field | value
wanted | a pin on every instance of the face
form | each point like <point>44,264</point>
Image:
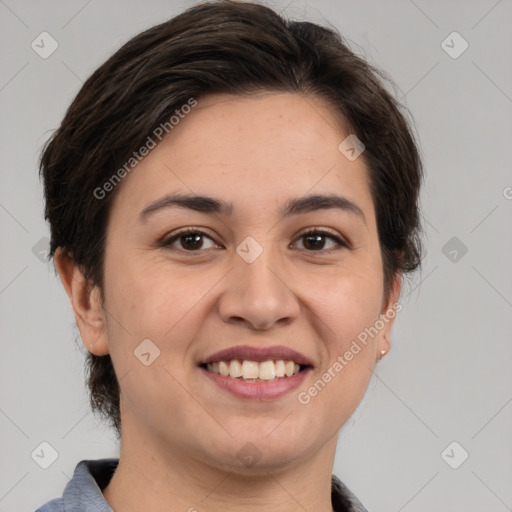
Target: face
<point>267,271</point>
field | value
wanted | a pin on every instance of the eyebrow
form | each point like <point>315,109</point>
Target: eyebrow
<point>205,204</point>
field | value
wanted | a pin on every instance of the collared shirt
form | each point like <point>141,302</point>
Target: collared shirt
<point>83,492</point>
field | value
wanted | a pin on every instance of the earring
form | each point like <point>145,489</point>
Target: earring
<point>382,354</point>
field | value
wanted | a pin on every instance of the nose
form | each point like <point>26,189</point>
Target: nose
<point>258,295</point>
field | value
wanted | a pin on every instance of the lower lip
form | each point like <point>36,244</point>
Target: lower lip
<point>269,390</point>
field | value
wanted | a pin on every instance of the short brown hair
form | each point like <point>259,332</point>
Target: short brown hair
<point>219,47</point>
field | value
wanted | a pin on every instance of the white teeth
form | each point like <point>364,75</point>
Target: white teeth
<point>266,370</point>
<point>223,368</point>
<point>250,370</point>
<point>235,369</point>
<point>280,368</point>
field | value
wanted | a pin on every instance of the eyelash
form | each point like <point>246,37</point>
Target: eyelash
<point>313,231</point>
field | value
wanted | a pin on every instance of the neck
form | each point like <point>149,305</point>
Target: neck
<point>155,477</point>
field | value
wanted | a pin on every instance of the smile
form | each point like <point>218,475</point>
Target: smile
<point>252,371</point>
<point>258,373</point>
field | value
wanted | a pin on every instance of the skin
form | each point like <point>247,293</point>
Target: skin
<point>180,433</point>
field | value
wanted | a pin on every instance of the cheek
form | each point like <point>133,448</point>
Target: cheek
<point>345,308</point>
<point>147,303</point>
<point>341,382</point>
<point>151,299</point>
<point>346,300</point>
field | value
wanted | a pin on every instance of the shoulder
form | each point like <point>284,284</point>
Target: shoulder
<point>343,500</point>
<point>56,505</point>
<point>83,491</point>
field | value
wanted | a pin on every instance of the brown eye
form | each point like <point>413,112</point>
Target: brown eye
<point>189,241</point>
<point>320,241</point>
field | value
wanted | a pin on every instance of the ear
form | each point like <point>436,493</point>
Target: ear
<point>86,303</point>
<point>389,311</point>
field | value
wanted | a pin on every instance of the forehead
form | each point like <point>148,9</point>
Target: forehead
<point>262,129</point>
<point>252,151</point>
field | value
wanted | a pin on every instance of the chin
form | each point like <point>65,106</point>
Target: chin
<point>253,450</point>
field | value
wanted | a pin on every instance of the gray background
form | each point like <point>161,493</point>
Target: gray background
<point>448,375</point>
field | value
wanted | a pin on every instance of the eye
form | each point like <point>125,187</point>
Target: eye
<point>193,240</point>
<point>189,240</point>
<point>315,240</point>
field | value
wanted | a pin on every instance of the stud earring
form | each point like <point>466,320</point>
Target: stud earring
<point>382,354</point>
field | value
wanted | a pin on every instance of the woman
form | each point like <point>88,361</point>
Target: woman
<point>233,203</point>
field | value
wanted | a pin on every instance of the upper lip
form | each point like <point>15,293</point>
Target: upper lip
<point>258,354</point>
